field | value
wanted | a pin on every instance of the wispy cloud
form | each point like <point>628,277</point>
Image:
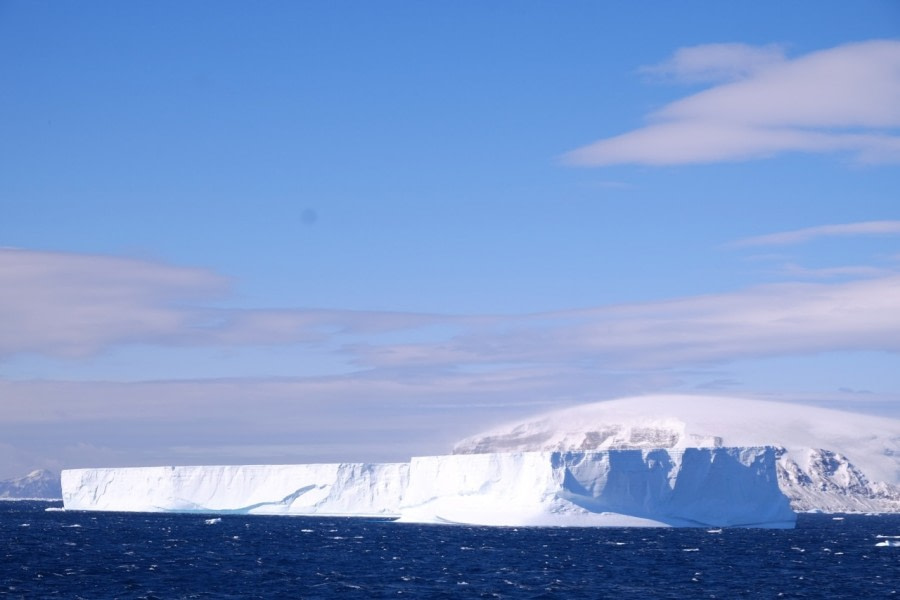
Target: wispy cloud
<point>773,320</point>
<point>799,236</point>
<point>716,62</point>
<point>843,99</point>
<point>718,384</point>
<point>850,271</point>
<point>75,305</point>
<point>72,304</point>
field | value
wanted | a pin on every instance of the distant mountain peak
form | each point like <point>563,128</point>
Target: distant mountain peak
<point>38,484</point>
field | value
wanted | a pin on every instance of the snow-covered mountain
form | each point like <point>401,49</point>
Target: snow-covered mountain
<point>828,460</point>
<point>40,484</point>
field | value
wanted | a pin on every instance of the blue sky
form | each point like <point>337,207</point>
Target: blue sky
<point>358,231</point>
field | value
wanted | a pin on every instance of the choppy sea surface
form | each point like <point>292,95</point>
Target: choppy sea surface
<point>58,554</point>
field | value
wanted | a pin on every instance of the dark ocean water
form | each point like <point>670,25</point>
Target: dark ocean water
<point>55,554</point>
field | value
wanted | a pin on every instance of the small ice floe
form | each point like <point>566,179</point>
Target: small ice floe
<point>212,521</point>
<point>837,518</point>
<point>690,549</point>
<point>73,525</point>
<point>54,509</point>
<point>889,543</point>
<point>306,531</point>
<point>887,537</point>
<point>714,530</point>
<point>798,548</point>
<point>25,525</point>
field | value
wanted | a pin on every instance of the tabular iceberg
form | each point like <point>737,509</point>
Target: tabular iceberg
<point>634,487</point>
<point>663,460</point>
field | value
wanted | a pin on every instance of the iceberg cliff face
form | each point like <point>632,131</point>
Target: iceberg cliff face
<point>685,487</point>
<point>690,487</point>
<point>328,489</point>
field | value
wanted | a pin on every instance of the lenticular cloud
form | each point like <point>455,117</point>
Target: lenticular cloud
<point>843,99</point>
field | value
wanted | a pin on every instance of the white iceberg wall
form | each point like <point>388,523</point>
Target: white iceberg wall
<point>691,487</point>
<point>484,489</point>
<point>729,487</point>
<point>335,489</point>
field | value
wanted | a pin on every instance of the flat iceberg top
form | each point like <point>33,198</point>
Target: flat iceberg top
<point>673,421</point>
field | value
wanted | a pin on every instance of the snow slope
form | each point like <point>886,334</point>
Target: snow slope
<point>829,460</point>
<point>690,487</point>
